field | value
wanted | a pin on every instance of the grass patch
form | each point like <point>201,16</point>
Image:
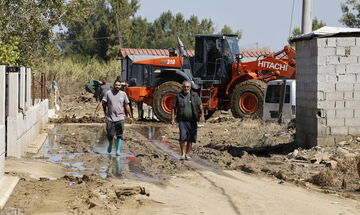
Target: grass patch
<point>71,74</point>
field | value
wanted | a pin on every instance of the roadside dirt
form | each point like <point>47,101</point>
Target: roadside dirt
<point>237,167</point>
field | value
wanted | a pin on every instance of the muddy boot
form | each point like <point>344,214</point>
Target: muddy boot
<point>110,145</point>
<point>118,146</point>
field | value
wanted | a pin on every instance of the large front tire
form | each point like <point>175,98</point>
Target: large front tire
<point>247,99</point>
<point>164,98</point>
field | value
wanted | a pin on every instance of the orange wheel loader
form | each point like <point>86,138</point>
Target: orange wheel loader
<point>215,72</point>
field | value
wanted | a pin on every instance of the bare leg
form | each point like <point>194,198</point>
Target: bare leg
<point>188,148</point>
<point>182,148</point>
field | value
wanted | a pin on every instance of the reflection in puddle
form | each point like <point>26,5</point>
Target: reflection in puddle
<point>152,131</point>
<point>127,166</point>
<point>118,166</point>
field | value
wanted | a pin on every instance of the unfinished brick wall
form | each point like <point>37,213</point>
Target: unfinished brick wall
<point>328,90</point>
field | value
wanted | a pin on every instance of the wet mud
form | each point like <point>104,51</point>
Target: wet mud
<point>259,148</point>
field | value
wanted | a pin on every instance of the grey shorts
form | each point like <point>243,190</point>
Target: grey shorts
<point>115,128</point>
<point>188,131</point>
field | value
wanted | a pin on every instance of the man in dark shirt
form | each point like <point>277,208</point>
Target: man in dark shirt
<point>186,110</point>
<point>104,87</point>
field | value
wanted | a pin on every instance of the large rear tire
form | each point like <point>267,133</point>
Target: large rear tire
<point>247,99</point>
<point>164,98</point>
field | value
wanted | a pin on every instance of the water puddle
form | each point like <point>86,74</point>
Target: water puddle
<point>12,211</point>
<point>124,166</point>
<point>93,157</point>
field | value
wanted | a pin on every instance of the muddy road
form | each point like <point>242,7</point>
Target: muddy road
<point>73,174</point>
<point>237,167</point>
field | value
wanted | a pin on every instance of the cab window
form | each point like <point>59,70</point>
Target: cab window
<point>273,94</point>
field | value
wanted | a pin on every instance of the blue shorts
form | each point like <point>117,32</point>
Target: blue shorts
<point>188,131</point>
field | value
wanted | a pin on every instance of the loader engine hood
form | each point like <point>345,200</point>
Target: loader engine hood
<point>172,62</point>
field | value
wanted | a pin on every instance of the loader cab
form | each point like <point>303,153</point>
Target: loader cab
<point>214,55</point>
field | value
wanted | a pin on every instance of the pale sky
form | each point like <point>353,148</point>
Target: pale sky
<point>265,22</point>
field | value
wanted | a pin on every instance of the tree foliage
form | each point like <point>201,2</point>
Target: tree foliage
<point>29,23</point>
<point>136,32</point>
<point>9,52</point>
<point>163,32</point>
<point>227,30</point>
<point>351,13</point>
<point>100,29</point>
<point>86,29</point>
<point>316,24</point>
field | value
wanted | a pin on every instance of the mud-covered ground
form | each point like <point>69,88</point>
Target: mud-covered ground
<point>92,181</point>
<point>267,148</point>
<point>256,148</point>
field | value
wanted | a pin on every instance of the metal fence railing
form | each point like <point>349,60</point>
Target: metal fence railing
<point>38,88</point>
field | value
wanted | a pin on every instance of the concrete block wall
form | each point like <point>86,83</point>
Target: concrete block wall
<point>330,69</point>
<point>306,93</point>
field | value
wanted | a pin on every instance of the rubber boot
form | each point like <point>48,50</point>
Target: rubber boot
<point>110,144</point>
<point>118,146</point>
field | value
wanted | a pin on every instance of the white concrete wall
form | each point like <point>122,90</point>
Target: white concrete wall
<point>23,129</point>
<point>23,126</point>
<point>22,88</point>
<point>28,92</point>
<point>2,150</point>
<point>2,120</point>
<point>29,126</point>
<point>13,111</point>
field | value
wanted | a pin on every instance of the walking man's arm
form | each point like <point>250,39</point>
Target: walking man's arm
<point>173,111</point>
<point>202,116</point>
<point>97,108</point>
<point>127,108</point>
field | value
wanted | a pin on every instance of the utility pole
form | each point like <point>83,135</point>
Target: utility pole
<point>306,25</point>
<point>120,43</point>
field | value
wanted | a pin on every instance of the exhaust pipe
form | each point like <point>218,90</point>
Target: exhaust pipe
<point>181,47</point>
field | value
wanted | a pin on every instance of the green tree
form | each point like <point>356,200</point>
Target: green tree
<point>227,30</point>
<point>100,29</point>
<point>9,52</point>
<point>81,31</point>
<point>122,12</point>
<point>351,13</point>
<point>139,29</point>
<point>316,24</point>
<point>164,31</point>
<point>30,23</point>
